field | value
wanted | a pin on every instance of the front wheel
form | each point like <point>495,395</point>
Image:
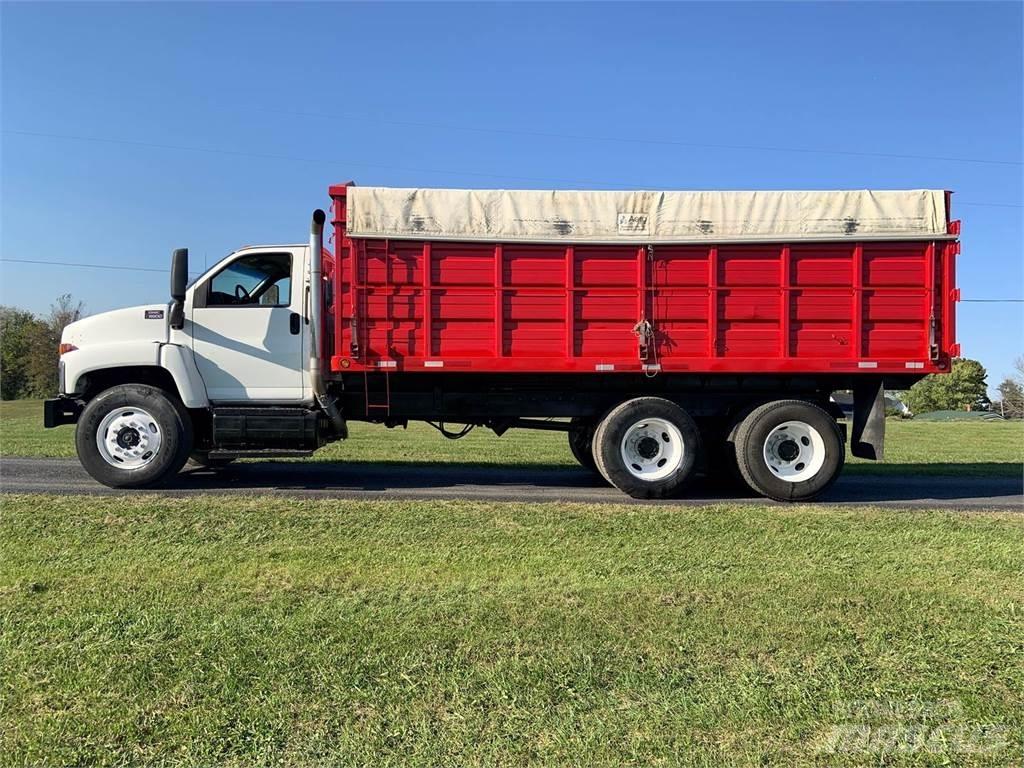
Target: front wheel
<point>132,436</point>
<point>789,450</point>
<point>647,447</point>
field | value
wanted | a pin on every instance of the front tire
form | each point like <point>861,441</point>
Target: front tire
<point>133,436</point>
<point>647,447</point>
<point>789,450</point>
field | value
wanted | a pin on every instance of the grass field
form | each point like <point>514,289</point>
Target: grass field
<point>977,448</point>
<point>264,631</point>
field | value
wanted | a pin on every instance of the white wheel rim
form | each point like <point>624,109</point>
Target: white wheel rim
<point>794,451</point>
<point>652,449</point>
<point>129,438</point>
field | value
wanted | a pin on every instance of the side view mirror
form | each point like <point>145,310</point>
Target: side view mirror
<point>179,282</point>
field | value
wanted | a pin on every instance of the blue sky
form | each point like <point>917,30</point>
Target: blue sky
<point>289,98</point>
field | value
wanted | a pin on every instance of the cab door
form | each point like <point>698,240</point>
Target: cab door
<point>248,329</point>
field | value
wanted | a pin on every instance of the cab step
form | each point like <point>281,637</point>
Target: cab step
<point>259,453</point>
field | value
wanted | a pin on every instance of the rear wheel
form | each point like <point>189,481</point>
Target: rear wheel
<point>789,450</point>
<point>581,443</point>
<point>647,447</point>
<point>132,436</point>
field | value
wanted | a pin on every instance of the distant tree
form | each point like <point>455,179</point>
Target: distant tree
<point>1011,393</point>
<point>28,348</point>
<point>962,389</point>
<point>1011,399</point>
<point>43,355</point>
<point>923,397</point>
<point>17,329</point>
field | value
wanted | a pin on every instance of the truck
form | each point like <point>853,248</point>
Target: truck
<point>667,334</point>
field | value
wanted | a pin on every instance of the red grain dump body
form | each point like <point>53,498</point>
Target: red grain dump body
<point>452,280</point>
<point>665,332</point>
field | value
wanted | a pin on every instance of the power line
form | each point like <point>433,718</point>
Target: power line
<point>991,205</point>
<point>988,205</point>
<point>270,156</point>
<point>636,140</point>
<point>994,301</point>
<point>85,266</point>
<point>340,161</point>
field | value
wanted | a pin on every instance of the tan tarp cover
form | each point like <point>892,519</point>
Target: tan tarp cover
<point>643,217</point>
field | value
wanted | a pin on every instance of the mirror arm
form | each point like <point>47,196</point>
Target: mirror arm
<point>177,316</point>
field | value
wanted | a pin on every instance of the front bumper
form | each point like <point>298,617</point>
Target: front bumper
<point>61,410</point>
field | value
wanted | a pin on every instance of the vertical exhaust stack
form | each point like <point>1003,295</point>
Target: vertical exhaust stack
<point>316,266</point>
<point>316,300</point>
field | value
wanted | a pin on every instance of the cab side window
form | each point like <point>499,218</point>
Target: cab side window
<point>259,279</point>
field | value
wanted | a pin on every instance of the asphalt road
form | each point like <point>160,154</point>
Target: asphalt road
<point>498,483</point>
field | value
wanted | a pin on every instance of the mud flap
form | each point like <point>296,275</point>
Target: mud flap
<point>868,438</point>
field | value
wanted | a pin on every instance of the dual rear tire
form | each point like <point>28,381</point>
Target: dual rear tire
<point>788,450</point>
<point>581,442</point>
<point>648,447</point>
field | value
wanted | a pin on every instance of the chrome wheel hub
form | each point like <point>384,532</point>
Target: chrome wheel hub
<point>652,449</point>
<point>128,438</point>
<point>794,451</point>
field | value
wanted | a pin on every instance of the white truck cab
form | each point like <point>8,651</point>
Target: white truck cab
<point>244,339</point>
<point>150,386</point>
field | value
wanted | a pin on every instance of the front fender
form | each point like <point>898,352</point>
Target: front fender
<point>181,364</point>
<point>97,357</point>
<point>176,360</point>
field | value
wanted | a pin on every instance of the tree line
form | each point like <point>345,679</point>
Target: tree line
<point>28,348</point>
<point>965,388</point>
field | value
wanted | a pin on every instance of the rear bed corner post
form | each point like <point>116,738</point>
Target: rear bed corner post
<point>868,438</point>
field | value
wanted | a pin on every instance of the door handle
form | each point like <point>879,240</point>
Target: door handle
<point>295,323</point>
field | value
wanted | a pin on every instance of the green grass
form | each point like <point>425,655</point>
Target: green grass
<point>963,448</point>
<point>150,630</point>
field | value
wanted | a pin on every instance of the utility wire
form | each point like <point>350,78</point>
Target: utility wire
<point>635,140</point>
<point>88,266</point>
<point>270,156</point>
<point>340,161</point>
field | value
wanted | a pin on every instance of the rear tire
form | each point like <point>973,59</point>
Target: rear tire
<point>647,447</point>
<point>581,443</point>
<point>133,436</point>
<point>789,450</point>
<point>721,468</point>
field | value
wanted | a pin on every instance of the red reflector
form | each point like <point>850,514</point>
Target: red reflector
<point>63,348</point>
